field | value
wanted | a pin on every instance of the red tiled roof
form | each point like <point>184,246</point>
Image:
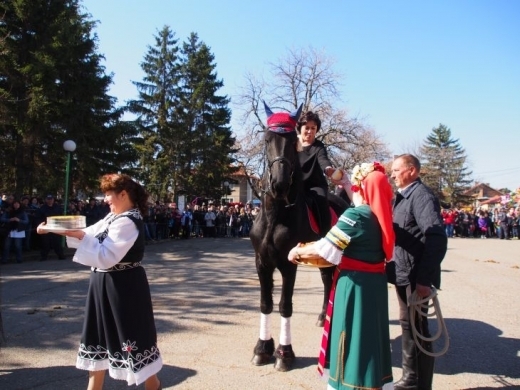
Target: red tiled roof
<point>494,199</point>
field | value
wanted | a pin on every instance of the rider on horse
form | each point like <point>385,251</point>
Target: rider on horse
<point>316,167</point>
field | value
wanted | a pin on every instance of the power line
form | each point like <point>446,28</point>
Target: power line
<point>512,170</point>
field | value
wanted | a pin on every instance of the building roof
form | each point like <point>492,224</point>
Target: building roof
<point>493,200</point>
<point>482,191</point>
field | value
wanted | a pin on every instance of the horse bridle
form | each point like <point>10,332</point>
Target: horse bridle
<point>269,176</point>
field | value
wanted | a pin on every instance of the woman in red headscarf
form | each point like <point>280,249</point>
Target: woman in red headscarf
<point>356,343</point>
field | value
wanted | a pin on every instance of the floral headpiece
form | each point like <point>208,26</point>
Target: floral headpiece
<point>361,171</point>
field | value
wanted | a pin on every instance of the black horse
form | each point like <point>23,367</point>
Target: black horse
<point>281,223</point>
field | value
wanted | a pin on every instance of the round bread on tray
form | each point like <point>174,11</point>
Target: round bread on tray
<point>66,222</point>
<point>313,260</point>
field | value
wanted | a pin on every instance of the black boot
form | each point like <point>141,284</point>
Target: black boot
<point>425,362</point>
<point>409,379</point>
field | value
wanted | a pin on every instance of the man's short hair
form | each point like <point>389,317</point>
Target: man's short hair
<point>410,160</point>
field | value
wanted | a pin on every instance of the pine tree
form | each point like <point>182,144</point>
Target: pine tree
<point>208,151</point>
<point>445,170</point>
<point>185,125</point>
<point>53,88</point>
<point>157,111</point>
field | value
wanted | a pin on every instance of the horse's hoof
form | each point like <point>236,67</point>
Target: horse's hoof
<point>284,358</point>
<point>261,359</point>
<point>263,352</point>
<point>321,320</point>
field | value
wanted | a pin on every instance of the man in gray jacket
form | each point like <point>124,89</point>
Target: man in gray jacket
<point>420,246</point>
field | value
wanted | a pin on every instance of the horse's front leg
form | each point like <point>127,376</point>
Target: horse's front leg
<point>264,347</point>
<point>327,275</point>
<point>284,353</point>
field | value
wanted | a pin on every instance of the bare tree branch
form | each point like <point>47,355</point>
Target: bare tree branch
<point>304,76</point>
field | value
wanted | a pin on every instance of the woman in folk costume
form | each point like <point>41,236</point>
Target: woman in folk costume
<point>356,340</point>
<point>119,332</point>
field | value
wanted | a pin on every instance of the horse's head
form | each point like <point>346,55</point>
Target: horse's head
<point>280,151</point>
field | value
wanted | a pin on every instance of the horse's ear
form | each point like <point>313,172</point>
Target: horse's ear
<point>268,111</point>
<point>296,115</point>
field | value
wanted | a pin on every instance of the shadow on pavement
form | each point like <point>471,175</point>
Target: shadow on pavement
<point>71,378</point>
<point>43,302</point>
<point>475,347</point>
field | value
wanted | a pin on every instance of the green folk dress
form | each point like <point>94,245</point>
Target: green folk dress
<point>359,355</point>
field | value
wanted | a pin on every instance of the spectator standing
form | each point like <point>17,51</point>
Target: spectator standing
<point>91,212</point>
<point>160,220</point>
<point>249,220</point>
<point>475,232</point>
<point>496,226</point>
<point>464,221</point>
<point>420,246</point>
<point>489,223</point>
<point>503,224</point>
<point>511,219</point>
<point>17,221</point>
<point>199,223</point>
<point>81,207</point>
<point>170,220</point>
<point>209,219</point>
<point>221,222</point>
<point>482,224</point>
<point>449,222</point>
<point>25,202</point>
<point>231,222</point>
<point>50,241</point>
<point>186,222</point>
<point>151,224</point>
<point>73,209</point>
<point>516,224</point>
<point>7,202</point>
<point>177,223</point>
<point>104,209</point>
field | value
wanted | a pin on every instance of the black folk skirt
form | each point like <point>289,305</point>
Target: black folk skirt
<point>119,332</point>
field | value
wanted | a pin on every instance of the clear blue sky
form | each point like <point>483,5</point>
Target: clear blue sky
<point>406,65</point>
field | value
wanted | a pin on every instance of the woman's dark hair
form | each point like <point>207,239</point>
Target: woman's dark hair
<point>12,211</point>
<point>119,182</point>
<point>307,117</point>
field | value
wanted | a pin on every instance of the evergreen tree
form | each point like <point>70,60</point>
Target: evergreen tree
<point>157,114</point>
<point>445,169</point>
<point>185,125</point>
<point>207,160</point>
<point>53,88</point>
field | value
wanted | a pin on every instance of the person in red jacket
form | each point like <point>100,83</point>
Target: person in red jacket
<point>449,218</point>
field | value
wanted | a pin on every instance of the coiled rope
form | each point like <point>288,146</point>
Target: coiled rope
<point>420,307</point>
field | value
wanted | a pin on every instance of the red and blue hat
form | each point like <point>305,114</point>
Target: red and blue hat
<point>282,122</point>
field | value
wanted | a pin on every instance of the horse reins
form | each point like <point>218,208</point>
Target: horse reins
<point>418,308</point>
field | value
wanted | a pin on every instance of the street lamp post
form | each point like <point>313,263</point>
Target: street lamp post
<point>69,146</point>
<point>226,190</point>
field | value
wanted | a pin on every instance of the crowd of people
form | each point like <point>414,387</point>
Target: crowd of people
<point>499,222</point>
<point>20,217</point>
<point>198,221</point>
